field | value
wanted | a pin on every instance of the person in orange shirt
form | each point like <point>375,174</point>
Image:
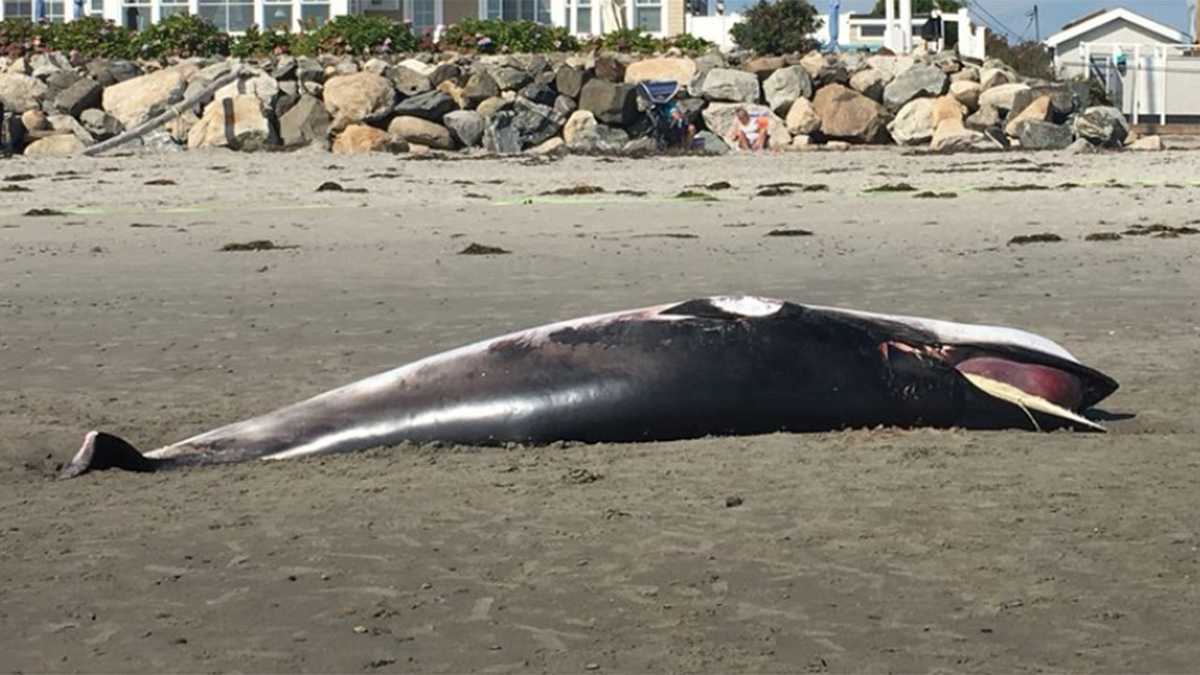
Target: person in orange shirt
<point>749,132</point>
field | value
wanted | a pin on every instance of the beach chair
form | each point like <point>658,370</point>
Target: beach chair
<point>657,98</point>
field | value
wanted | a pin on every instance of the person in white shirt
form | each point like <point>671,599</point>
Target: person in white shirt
<point>749,132</point>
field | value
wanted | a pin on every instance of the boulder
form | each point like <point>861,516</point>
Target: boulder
<point>376,65</point>
<point>1147,144</point>
<point>610,67</point>
<point>508,77</point>
<point>451,89</point>
<point>719,119</point>
<point>12,132</point>
<point>309,69</point>
<point>136,100</point>
<point>237,123</point>
<point>1001,96</point>
<point>479,88</point>
<point>802,118</point>
<point>19,93</point>
<point>913,125</point>
<point>951,136</point>
<point>58,145</point>
<point>421,132</point>
<point>100,124</point>
<point>889,66</point>
<point>987,117</point>
<point>432,106</point>
<point>108,73</point>
<point>418,66</point>
<point>551,146</point>
<point>358,97</point>
<point>727,84</point>
<point>538,93</point>
<point>180,126</point>
<point>408,81</point>
<point>492,106</point>
<point>44,64</point>
<point>500,136</point>
<point>262,86</point>
<point>285,68</point>
<point>1063,100</point>
<point>1082,146</point>
<point>612,103</point>
<point>848,115</point>
<point>967,74</point>
<point>994,77</point>
<point>1039,110</point>
<point>466,127</point>
<point>784,86</point>
<point>35,120</point>
<point>947,109</point>
<point>70,125</point>
<point>289,95</point>
<point>445,72</point>
<point>825,69</point>
<point>306,122</point>
<point>967,93</point>
<point>710,143</point>
<point>679,69</point>
<point>920,81</point>
<point>579,127</point>
<point>764,66</point>
<point>569,80</point>
<point>534,122</point>
<point>58,82</point>
<point>360,138</point>
<point>1103,126</point>
<point>1037,134</point>
<point>564,105</point>
<point>869,83</point>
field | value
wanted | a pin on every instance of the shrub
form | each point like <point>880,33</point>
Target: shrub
<point>628,40</point>
<point>780,27</point>
<point>357,35</point>
<point>1029,58</point>
<point>182,35</point>
<point>89,36</point>
<point>688,44</point>
<point>491,36</point>
<point>18,37</point>
<point>255,42</point>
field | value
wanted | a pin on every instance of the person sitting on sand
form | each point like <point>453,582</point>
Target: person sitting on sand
<point>749,132</point>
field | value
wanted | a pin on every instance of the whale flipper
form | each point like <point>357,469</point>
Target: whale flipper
<point>105,451</point>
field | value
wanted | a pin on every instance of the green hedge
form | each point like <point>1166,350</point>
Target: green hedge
<point>492,36</point>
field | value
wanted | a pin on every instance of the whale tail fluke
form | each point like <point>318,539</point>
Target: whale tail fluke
<point>105,451</point>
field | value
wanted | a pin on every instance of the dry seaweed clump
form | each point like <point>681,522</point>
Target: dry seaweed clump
<point>1040,238</point>
<point>482,249</point>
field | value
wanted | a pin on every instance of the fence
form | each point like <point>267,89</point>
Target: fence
<point>1155,82</point>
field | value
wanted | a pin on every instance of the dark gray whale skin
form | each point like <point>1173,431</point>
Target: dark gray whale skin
<point>687,370</point>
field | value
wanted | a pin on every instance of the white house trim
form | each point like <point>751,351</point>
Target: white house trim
<point>1166,32</point>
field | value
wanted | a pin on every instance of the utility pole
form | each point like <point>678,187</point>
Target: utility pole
<point>1037,25</point>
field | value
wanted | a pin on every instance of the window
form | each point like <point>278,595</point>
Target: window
<point>313,14</point>
<point>96,8</point>
<point>578,17</point>
<point>172,7</point>
<point>135,14</point>
<point>519,10</point>
<point>231,16</point>
<point>647,15</point>
<point>54,11</point>
<point>424,15</point>
<point>16,9</point>
<point>277,15</point>
<point>872,31</point>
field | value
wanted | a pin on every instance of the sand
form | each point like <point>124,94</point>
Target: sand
<point>872,550</point>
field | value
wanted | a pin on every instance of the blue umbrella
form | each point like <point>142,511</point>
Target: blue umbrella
<point>835,7</point>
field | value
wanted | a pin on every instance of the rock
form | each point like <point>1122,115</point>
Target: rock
<point>719,119</point>
<point>480,87</point>
<point>1147,144</point>
<point>967,74</point>
<point>987,117</point>
<point>285,68</point>
<point>1062,97</point>
<point>920,81</point>
<point>764,66</point>
<point>952,136</point>
<point>100,124</point>
<point>611,103</point>
<point>237,123</point>
<point>68,124</point>
<point>837,146</point>
<point>1039,110</point>
<point>376,65</point>
<point>947,108</point>
<point>35,120</point>
<point>455,92</point>
<point>466,127</point>
<point>358,97</point>
<point>967,93</point>
<point>564,106</point>
<point>445,72</point>
<point>639,146</point>
<point>679,69</point>
<point>869,83</point>
<point>802,118</point>
<point>538,93</point>
<point>58,145</point>
<point>500,136</point>
<point>432,106</point>
<point>261,86</point>
<point>580,124</point>
<point>507,77</point>
<point>306,122</point>
<point>727,84</point>
<point>710,143</point>
<point>993,77</point>
<point>551,146</point>
<point>825,69</point>
<point>1001,96</point>
<point>108,73</point>
<point>12,132</point>
<point>610,67</point>
<point>802,142</point>
<point>59,82</point>
<point>347,66</point>
<point>418,66</point>
<point>785,86</point>
<point>913,125</point>
<point>180,126</point>
<point>493,105</point>
<point>569,80</point>
<point>136,100</point>
<point>289,95</point>
<point>409,82</point>
<point>1082,146</point>
<point>19,93</point>
<point>582,133</point>
<point>848,115</point>
<point>890,66</point>
<point>309,69</point>
<point>1037,134</point>
<point>706,62</point>
<point>360,138</point>
<point>1103,126</point>
<point>534,122</point>
<point>421,132</point>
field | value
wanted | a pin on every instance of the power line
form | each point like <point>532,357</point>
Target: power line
<point>983,10</point>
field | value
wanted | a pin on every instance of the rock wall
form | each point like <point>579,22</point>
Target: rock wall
<point>542,103</point>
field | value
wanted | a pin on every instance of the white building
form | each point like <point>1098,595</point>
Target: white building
<point>1117,26</point>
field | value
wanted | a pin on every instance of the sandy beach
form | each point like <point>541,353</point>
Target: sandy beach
<point>860,551</point>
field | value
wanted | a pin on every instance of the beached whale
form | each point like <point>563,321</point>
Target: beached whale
<point>714,366</point>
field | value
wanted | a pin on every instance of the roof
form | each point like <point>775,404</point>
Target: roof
<point>1096,19</point>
